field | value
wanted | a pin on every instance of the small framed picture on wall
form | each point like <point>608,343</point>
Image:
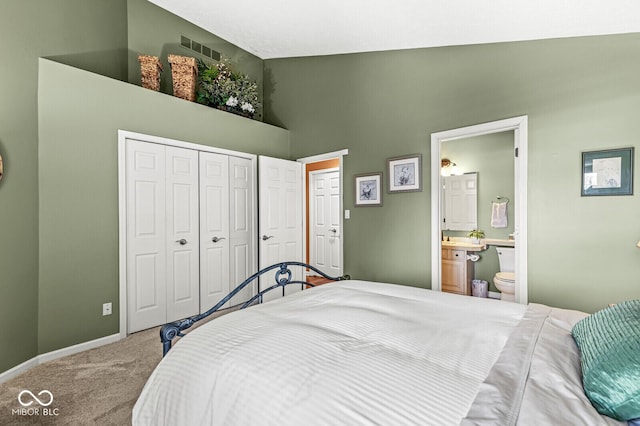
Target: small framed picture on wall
<point>607,172</point>
<point>404,173</point>
<point>368,189</point>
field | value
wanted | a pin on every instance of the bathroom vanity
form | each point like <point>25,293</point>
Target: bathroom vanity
<point>457,271</point>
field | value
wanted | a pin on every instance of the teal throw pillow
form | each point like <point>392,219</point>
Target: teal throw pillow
<point>609,343</point>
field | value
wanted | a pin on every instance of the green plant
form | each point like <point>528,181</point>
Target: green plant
<point>219,86</point>
<point>476,233</point>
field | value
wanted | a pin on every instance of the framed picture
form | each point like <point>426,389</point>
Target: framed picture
<point>607,172</point>
<point>368,189</point>
<point>404,173</point>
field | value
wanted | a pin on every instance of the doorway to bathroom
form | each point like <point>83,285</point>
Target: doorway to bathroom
<point>482,149</point>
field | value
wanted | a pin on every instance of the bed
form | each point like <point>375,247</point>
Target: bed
<point>367,353</point>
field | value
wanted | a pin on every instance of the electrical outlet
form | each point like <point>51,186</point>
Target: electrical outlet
<point>106,309</point>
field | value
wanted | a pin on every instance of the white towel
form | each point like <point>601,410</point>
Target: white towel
<point>499,215</point>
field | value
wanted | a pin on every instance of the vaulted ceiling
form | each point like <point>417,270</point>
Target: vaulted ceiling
<point>291,28</point>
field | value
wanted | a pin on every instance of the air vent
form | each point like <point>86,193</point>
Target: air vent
<point>199,48</point>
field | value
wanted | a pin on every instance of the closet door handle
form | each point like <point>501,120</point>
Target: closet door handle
<point>216,239</point>
<point>182,241</point>
<point>265,238</point>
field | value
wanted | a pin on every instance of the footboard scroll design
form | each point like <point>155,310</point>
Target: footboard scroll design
<point>283,277</point>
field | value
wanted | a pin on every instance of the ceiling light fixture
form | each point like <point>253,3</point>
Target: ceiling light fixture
<point>449,168</point>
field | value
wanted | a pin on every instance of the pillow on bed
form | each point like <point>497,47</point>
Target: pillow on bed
<point>609,343</point>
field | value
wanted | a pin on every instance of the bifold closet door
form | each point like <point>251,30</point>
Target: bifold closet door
<point>214,229</point>
<point>242,253</point>
<point>226,210</point>
<point>146,235</point>
<point>162,234</point>
<point>183,240</point>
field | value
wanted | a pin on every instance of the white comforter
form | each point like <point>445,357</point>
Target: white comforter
<point>345,353</point>
<point>348,353</point>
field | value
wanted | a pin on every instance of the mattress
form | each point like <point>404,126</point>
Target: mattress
<point>352,352</point>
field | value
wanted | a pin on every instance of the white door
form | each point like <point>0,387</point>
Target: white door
<point>146,235</point>
<point>162,234</point>
<point>241,227</point>
<point>324,226</point>
<point>280,211</point>
<point>214,228</point>
<point>183,275</point>
<point>460,202</point>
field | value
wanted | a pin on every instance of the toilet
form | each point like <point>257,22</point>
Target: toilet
<point>505,280</point>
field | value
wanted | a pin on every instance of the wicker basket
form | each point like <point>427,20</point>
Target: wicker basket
<point>184,72</point>
<point>150,68</point>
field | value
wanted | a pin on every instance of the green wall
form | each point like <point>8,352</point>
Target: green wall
<point>58,251</point>
<point>89,35</point>
<point>58,137</point>
<point>492,156</point>
<point>579,93</point>
<point>154,31</point>
<point>79,186</point>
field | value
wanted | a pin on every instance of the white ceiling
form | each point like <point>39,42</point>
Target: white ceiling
<point>290,28</point>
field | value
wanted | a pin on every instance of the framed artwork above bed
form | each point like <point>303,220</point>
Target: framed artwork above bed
<point>368,189</point>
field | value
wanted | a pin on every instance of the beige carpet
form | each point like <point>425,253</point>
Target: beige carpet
<point>95,387</point>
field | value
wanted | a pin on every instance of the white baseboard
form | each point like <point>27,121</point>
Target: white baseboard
<point>59,353</point>
<point>18,369</point>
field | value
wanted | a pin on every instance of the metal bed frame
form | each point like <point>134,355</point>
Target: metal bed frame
<point>283,278</point>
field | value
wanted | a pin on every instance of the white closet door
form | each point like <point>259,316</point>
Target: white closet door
<point>280,217</point>
<point>183,280</point>
<point>241,247</point>
<point>146,235</point>
<point>214,229</point>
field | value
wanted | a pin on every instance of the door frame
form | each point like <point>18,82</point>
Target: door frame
<point>311,210</point>
<point>123,135</point>
<point>315,159</point>
<point>519,126</point>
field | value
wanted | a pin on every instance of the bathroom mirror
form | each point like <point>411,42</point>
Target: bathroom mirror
<point>460,202</point>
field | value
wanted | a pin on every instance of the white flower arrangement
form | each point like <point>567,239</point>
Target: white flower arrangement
<point>220,87</point>
<point>232,102</point>
<point>248,107</point>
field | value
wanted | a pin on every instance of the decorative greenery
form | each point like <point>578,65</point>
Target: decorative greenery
<point>476,233</point>
<point>221,87</point>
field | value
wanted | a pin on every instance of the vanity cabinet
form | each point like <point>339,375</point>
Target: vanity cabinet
<point>457,271</point>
